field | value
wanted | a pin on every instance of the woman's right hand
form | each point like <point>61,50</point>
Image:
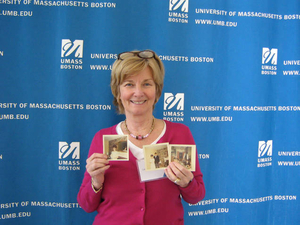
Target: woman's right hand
<point>96,165</point>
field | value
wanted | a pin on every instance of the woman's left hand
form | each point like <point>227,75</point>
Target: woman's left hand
<point>179,174</point>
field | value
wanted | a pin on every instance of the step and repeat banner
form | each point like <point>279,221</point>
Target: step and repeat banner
<point>232,76</point>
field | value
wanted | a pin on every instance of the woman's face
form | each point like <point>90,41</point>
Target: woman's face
<point>138,93</point>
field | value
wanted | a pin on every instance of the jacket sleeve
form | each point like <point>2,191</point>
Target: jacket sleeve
<point>195,191</point>
<point>87,198</point>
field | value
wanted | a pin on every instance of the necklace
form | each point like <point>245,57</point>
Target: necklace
<point>139,137</point>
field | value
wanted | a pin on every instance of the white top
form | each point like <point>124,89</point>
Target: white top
<point>135,150</point>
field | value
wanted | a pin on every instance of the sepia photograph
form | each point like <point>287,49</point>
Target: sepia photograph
<point>116,147</point>
<point>184,154</point>
<point>156,156</point>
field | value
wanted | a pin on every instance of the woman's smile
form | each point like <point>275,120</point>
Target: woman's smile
<point>138,103</point>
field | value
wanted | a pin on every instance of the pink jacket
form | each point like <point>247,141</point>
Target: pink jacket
<point>126,200</point>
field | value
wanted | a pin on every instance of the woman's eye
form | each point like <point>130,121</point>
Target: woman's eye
<point>128,85</point>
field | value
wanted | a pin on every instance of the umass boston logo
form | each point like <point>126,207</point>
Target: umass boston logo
<point>178,11</point>
<point>269,61</point>
<point>71,54</point>
<point>265,151</point>
<point>173,107</point>
<point>69,156</point>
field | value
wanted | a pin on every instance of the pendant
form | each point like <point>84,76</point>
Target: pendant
<point>139,137</point>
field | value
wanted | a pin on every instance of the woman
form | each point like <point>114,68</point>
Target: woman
<point>152,165</point>
<point>114,153</point>
<point>113,188</point>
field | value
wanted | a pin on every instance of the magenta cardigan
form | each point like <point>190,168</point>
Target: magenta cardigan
<point>125,200</point>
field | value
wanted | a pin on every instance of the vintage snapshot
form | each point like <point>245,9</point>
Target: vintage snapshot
<point>116,147</point>
<point>184,154</point>
<point>156,156</point>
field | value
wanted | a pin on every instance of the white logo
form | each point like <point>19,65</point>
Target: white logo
<point>66,150</point>
<point>171,101</point>
<point>67,48</point>
<point>71,54</point>
<point>175,4</point>
<point>269,56</point>
<point>265,149</point>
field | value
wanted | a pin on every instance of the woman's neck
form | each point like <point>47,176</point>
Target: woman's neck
<point>139,125</point>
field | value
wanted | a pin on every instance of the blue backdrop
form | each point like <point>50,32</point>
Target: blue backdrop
<point>232,76</point>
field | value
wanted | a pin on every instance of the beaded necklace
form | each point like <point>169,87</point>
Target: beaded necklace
<point>139,137</point>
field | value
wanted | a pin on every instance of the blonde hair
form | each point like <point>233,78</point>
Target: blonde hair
<point>131,64</point>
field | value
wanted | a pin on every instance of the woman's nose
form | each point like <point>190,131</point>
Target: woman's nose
<point>138,91</point>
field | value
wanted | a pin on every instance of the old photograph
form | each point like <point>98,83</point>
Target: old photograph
<point>184,154</point>
<point>156,156</point>
<point>116,147</point>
